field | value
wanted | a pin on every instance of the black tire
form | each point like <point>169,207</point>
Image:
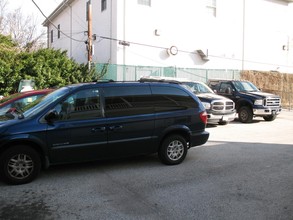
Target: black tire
<point>173,150</point>
<point>245,114</point>
<point>270,117</point>
<point>19,165</point>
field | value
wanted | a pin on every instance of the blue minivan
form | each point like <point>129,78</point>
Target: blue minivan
<point>93,121</point>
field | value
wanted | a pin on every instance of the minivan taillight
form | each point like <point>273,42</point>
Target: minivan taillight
<point>204,117</point>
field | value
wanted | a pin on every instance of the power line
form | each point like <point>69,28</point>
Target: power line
<point>55,25</point>
<point>127,43</point>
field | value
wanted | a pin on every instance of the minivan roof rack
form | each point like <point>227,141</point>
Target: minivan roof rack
<point>104,80</point>
<point>159,79</point>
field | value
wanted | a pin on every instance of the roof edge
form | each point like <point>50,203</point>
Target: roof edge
<point>64,4</point>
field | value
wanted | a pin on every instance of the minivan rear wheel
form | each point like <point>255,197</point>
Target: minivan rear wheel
<point>19,164</point>
<point>173,150</point>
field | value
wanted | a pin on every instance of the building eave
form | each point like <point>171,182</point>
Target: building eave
<point>63,5</point>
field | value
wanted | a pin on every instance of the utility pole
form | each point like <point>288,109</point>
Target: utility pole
<point>90,39</point>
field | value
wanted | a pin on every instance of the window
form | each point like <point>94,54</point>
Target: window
<point>52,37</point>
<point>126,101</point>
<point>144,2</point>
<point>58,31</point>
<point>225,87</point>
<point>103,5</point>
<point>84,104</point>
<point>172,99</point>
<point>211,6</point>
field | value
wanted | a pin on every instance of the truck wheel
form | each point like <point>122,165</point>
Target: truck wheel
<point>173,150</point>
<point>270,117</point>
<point>19,164</point>
<point>245,114</point>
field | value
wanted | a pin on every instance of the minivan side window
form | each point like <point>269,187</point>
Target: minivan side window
<point>171,99</point>
<point>127,101</point>
<point>84,104</point>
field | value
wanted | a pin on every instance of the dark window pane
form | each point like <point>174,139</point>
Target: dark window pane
<point>103,5</point>
<point>126,101</point>
<point>84,104</point>
<point>172,99</point>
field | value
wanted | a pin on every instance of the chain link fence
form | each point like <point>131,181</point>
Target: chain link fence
<point>134,73</point>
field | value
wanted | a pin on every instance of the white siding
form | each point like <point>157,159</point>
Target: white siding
<point>256,43</point>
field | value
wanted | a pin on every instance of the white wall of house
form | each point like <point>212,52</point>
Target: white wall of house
<point>244,34</point>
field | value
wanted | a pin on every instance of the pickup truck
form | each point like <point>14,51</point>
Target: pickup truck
<point>250,102</point>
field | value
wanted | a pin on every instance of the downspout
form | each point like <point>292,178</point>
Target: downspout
<point>124,35</point>
<point>71,36</point>
<point>111,30</point>
<point>48,37</point>
<point>243,36</point>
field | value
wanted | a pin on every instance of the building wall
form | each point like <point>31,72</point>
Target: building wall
<point>244,34</point>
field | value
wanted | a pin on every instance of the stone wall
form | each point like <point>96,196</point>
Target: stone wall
<point>273,82</point>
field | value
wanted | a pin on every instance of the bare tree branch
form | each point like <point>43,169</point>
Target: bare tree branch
<point>22,29</point>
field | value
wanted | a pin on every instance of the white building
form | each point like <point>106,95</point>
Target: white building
<point>205,34</point>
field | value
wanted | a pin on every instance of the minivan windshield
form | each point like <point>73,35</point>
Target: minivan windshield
<point>42,103</point>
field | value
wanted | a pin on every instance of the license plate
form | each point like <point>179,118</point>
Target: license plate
<point>225,118</point>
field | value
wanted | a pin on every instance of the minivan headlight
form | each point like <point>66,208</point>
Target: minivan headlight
<point>258,102</point>
<point>206,105</point>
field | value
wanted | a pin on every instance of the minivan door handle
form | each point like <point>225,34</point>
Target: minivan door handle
<point>116,127</point>
<point>101,129</point>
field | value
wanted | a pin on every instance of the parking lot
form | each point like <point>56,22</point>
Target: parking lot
<point>243,172</point>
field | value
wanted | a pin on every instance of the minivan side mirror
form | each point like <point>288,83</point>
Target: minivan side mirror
<point>51,116</point>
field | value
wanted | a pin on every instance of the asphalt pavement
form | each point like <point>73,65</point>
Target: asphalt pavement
<point>243,172</point>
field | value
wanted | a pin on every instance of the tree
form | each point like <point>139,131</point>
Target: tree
<point>22,29</point>
<point>8,56</point>
<point>47,67</point>
<point>3,5</point>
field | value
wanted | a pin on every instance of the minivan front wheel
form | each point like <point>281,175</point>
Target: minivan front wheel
<point>19,164</point>
<point>173,150</point>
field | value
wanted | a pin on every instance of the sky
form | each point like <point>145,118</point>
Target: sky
<point>28,8</point>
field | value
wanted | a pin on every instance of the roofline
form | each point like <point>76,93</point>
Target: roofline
<point>64,4</point>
